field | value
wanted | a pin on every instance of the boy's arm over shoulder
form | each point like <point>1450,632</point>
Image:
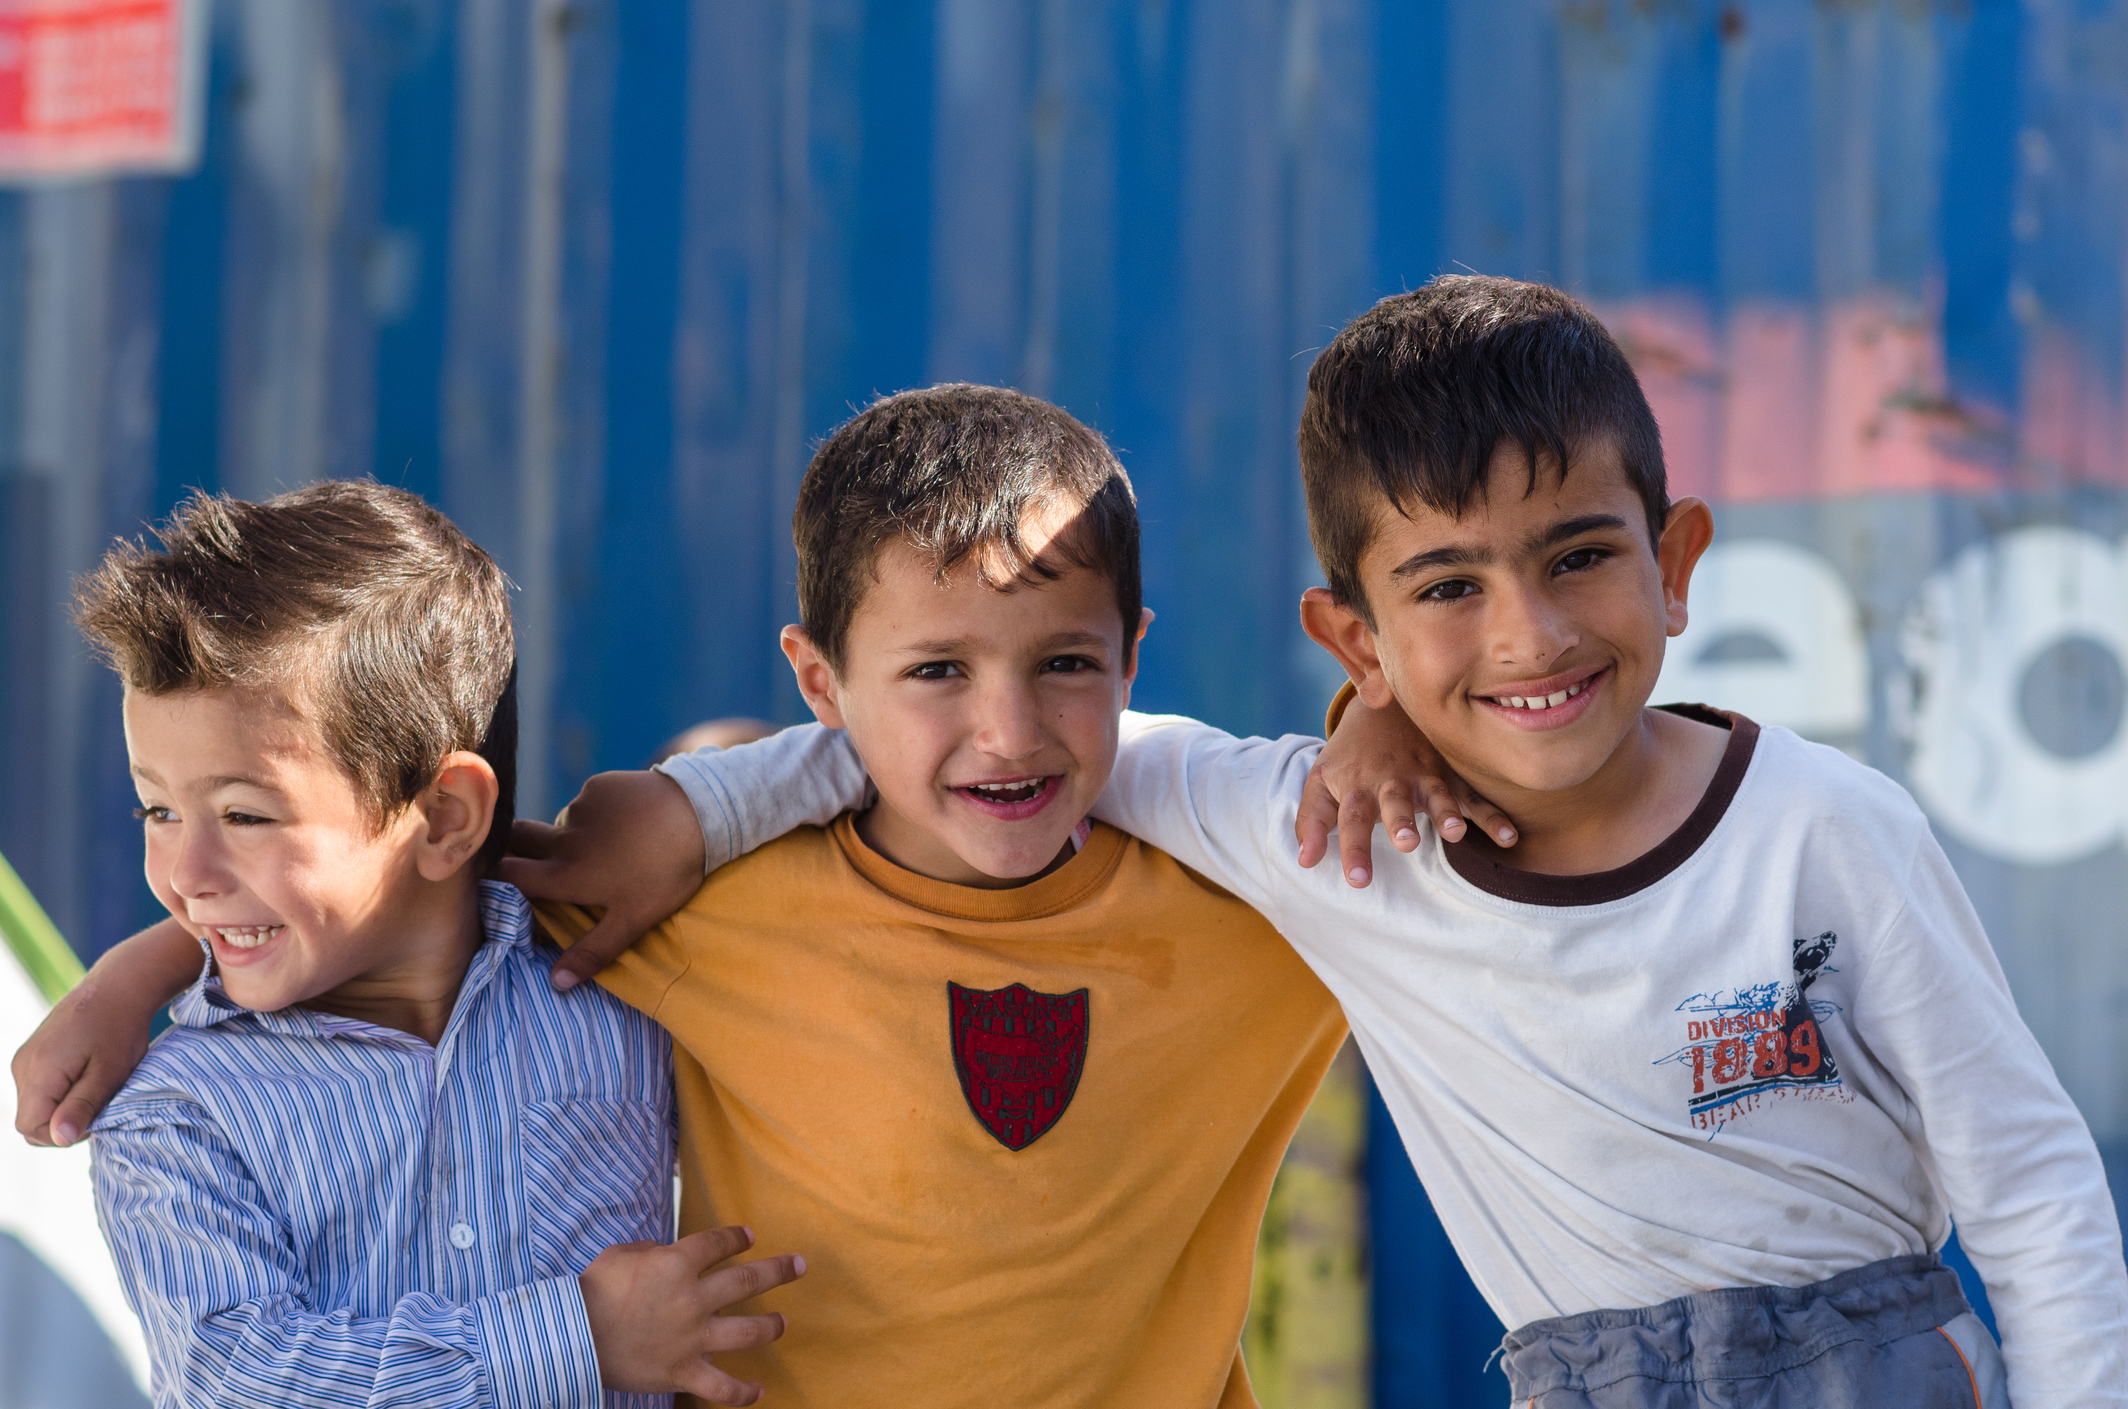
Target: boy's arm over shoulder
<point>95,1036</point>
<point>1221,805</point>
<point>636,845</point>
<point>228,1313</point>
<point>2026,1187</point>
<point>744,797</point>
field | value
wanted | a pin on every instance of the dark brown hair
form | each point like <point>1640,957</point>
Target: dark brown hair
<point>954,471</point>
<point>1409,403</point>
<point>388,629</point>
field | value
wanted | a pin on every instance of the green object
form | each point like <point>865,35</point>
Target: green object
<point>33,939</point>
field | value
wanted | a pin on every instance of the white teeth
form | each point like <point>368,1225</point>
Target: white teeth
<point>246,936</point>
<point>1551,701</point>
<point>1018,792</point>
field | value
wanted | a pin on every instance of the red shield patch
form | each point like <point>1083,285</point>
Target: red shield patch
<point>1019,1054</point>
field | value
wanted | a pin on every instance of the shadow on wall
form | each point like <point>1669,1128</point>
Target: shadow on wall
<point>53,1353</point>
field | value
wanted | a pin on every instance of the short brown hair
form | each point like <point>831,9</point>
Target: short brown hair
<point>954,470</point>
<point>1410,402</point>
<point>389,629</point>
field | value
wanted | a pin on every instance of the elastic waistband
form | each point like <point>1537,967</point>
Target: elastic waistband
<point>1734,1332</point>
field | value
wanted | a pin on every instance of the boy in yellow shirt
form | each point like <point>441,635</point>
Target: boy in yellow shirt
<point>1017,1084</point>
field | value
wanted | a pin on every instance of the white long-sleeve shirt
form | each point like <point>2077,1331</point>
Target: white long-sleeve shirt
<point>1775,1048</point>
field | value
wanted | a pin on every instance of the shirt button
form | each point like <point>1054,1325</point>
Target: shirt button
<point>461,1236</point>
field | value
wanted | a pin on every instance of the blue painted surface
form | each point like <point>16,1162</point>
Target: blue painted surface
<point>188,353</point>
<point>408,255</point>
<point>1433,1334</point>
<point>1867,255</point>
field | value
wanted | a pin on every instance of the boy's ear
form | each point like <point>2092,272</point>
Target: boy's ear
<point>1685,536</point>
<point>1345,634</point>
<point>816,678</point>
<point>1137,651</point>
<point>456,812</point>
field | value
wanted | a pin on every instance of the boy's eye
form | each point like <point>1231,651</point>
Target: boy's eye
<point>1453,590</point>
<point>1068,665</point>
<point>151,814</point>
<point>935,670</point>
<point>1582,559</point>
<point>245,819</point>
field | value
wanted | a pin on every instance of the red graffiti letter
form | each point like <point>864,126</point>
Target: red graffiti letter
<point>1729,1061</point>
<point>1699,1070</point>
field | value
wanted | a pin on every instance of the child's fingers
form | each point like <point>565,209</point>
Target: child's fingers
<point>1398,817</point>
<point>722,1333</point>
<point>1483,815</point>
<point>82,1105</point>
<point>711,1246</point>
<point>55,1101</point>
<point>533,839</point>
<point>705,1381</point>
<point>553,878</point>
<point>1442,808</point>
<point>535,876</point>
<point>1355,836</point>
<point>751,1279</point>
<point>604,943</point>
<point>38,1092</point>
<point>1316,819</point>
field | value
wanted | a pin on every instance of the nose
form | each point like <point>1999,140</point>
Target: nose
<point>192,860</point>
<point>1008,723</point>
<point>1529,628</point>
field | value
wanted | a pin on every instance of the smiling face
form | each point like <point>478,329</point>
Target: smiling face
<point>986,717</point>
<point>258,841</point>
<point>1524,636</point>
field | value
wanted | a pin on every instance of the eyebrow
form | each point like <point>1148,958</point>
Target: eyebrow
<point>1464,555</point>
<point>1455,556</point>
<point>1075,638</point>
<point>224,780</point>
<point>957,645</point>
<point>1573,528</point>
<point>227,780</point>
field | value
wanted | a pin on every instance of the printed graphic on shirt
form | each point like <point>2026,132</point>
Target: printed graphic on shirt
<point>1747,1045</point>
<point>1019,1054</point>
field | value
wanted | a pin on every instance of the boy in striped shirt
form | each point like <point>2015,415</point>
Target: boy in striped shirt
<point>376,1160</point>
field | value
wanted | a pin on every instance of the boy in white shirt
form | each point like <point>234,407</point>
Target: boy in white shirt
<point>1700,1073</point>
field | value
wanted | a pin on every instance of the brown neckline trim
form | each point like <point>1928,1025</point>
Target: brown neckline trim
<point>1602,887</point>
<point>1065,888</point>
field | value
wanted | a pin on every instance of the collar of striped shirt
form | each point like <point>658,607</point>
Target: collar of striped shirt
<point>505,917</point>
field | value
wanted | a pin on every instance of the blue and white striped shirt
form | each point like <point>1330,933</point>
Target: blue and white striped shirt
<point>307,1209</point>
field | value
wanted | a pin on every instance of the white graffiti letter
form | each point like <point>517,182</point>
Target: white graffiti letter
<point>2013,700</point>
<point>1774,635</point>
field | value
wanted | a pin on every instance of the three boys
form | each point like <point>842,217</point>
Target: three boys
<point>1504,566</point>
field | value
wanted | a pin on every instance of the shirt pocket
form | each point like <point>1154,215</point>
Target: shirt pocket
<point>597,1171</point>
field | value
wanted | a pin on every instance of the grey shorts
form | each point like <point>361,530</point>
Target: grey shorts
<point>1892,1335</point>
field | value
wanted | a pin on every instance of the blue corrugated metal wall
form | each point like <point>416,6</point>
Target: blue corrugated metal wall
<point>595,274</point>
